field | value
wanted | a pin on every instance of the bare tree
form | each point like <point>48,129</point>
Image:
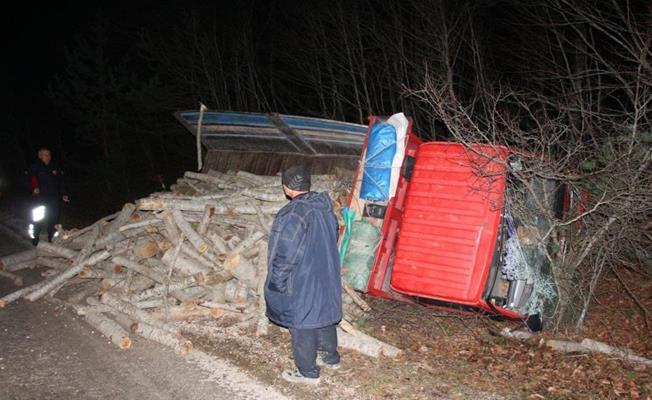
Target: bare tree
<point>582,118</point>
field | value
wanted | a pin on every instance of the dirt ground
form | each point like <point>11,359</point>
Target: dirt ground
<point>450,356</point>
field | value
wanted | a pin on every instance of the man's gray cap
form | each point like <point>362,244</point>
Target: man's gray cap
<point>297,177</point>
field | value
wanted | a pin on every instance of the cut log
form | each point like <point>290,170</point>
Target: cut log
<point>68,236</point>
<point>218,182</point>
<point>592,346</point>
<point>193,237</point>
<point>161,290</point>
<point>134,312</point>
<point>109,328</point>
<point>189,312</point>
<point>13,296</point>
<point>16,258</point>
<point>170,227</point>
<point>185,264</point>
<point>87,289</point>
<point>146,249</point>
<point>15,279</point>
<point>179,344</point>
<point>20,266</point>
<point>624,354</point>
<point>252,179</point>
<point>205,219</point>
<point>243,270</point>
<point>262,325</point>
<point>127,323</point>
<point>90,273</point>
<point>160,204</point>
<point>67,274</point>
<point>140,224</point>
<point>235,292</point>
<point>87,309</point>
<point>151,303</point>
<point>140,268</point>
<point>205,259</point>
<point>123,217</point>
<point>355,297</point>
<point>248,242</point>
<point>54,263</point>
<point>219,246</point>
<point>49,248</point>
<point>365,344</point>
<point>157,204</point>
<point>264,222</point>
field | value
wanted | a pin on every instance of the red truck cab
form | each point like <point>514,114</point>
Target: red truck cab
<point>442,232</point>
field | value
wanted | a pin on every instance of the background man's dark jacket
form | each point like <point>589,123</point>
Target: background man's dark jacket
<point>48,179</point>
<point>303,288</point>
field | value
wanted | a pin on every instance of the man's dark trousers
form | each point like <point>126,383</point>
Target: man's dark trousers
<point>306,343</point>
<point>52,208</point>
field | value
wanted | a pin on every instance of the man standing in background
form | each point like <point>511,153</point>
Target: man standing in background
<point>46,180</point>
<point>303,290</point>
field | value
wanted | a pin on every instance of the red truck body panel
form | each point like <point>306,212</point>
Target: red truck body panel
<point>450,223</point>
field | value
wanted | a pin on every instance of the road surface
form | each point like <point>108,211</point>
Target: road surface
<point>47,352</point>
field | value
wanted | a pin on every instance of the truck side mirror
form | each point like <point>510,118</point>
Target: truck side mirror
<point>408,167</point>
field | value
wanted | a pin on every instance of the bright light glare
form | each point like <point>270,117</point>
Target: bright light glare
<point>30,231</point>
<point>38,213</point>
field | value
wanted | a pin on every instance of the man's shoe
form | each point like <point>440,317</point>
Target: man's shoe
<point>35,241</point>
<point>296,377</point>
<point>322,363</point>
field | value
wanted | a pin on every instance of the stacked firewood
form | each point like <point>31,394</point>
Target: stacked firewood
<point>188,262</point>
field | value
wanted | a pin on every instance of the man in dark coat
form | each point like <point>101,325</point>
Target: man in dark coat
<point>303,289</point>
<point>46,180</point>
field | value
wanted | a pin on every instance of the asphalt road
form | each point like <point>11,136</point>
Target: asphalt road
<point>47,352</point>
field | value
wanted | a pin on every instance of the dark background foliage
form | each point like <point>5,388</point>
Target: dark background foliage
<point>98,84</point>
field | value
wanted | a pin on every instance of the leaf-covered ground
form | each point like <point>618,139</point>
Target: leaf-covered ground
<point>450,355</point>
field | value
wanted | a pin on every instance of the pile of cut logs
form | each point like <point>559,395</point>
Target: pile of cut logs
<point>188,262</point>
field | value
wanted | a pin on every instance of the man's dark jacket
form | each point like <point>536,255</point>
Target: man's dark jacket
<point>303,289</point>
<point>48,178</point>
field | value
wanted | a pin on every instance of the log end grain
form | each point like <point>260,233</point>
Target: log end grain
<point>185,347</point>
<point>125,343</point>
<point>85,272</point>
<point>202,248</point>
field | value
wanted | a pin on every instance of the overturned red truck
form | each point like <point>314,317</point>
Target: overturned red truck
<point>435,223</point>
<point>432,223</point>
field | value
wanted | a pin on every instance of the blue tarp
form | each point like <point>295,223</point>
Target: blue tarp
<point>378,163</point>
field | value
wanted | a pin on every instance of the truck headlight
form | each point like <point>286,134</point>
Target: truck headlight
<point>38,213</point>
